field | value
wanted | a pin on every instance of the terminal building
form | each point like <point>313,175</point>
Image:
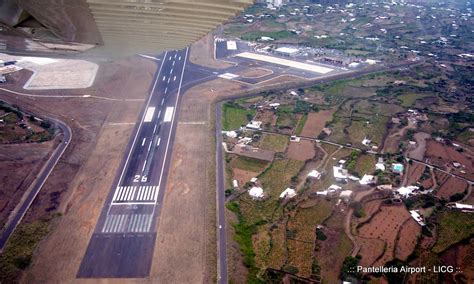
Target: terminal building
<point>109,26</point>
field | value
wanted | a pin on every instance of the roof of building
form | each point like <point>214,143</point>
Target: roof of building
<point>345,193</point>
<point>254,124</point>
<point>314,174</point>
<point>288,193</point>
<point>256,192</point>
<point>463,206</point>
<point>367,179</point>
<point>339,172</point>
<point>417,217</point>
<point>406,190</point>
<point>288,50</point>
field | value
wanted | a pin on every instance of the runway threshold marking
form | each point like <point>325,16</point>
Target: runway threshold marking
<point>149,114</point>
<point>169,114</point>
<point>135,194</point>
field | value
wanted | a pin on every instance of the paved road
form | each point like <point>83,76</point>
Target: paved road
<point>20,210</point>
<point>220,182</point>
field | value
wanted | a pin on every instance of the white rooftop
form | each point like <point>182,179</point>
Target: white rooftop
<point>288,193</point>
<point>314,174</point>
<point>406,190</point>
<point>463,206</point>
<point>231,134</point>
<point>380,166</point>
<point>334,187</point>
<point>256,192</point>
<point>345,193</point>
<point>338,173</point>
<point>288,50</point>
<point>254,124</point>
<point>367,179</point>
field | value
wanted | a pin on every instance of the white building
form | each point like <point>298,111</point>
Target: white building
<point>256,192</point>
<point>418,218</point>
<point>406,191</point>
<point>266,38</point>
<point>286,51</point>
<point>380,165</point>
<point>275,3</point>
<point>254,125</point>
<point>367,179</point>
<point>345,194</point>
<point>288,193</point>
<point>340,174</point>
<point>314,174</point>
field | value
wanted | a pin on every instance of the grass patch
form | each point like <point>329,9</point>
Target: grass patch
<point>249,164</point>
<point>301,123</point>
<point>275,143</point>
<point>243,236</point>
<point>364,164</point>
<point>234,117</point>
<point>18,252</point>
<point>408,100</point>
<point>453,227</point>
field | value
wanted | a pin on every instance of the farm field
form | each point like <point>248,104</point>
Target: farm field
<point>453,227</point>
<point>235,117</point>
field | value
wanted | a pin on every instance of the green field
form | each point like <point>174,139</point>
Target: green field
<point>275,143</point>
<point>249,164</point>
<point>453,227</point>
<point>234,117</point>
<point>408,100</point>
<point>18,253</point>
<point>365,164</point>
<point>300,125</point>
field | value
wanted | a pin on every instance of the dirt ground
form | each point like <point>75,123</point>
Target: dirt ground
<point>460,255</point>
<point>407,239</point>
<point>384,226</point>
<point>414,173</point>
<point>301,151</point>
<point>420,149</point>
<point>243,176</point>
<point>202,53</point>
<point>370,208</point>
<point>316,122</point>
<point>254,73</point>
<point>267,117</point>
<point>451,186</point>
<point>19,164</point>
<point>80,182</point>
<point>443,155</point>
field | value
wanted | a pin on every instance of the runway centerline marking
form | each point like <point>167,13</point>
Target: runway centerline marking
<point>140,125</point>
<point>171,128</point>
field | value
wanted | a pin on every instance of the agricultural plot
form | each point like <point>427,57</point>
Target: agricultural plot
<point>273,142</point>
<point>331,252</point>
<point>234,116</point>
<point>407,239</point>
<point>385,226</point>
<point>452,228</point>
<point>451,187</point>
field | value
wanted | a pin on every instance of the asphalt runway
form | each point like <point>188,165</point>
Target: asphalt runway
<point>123,241</point>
